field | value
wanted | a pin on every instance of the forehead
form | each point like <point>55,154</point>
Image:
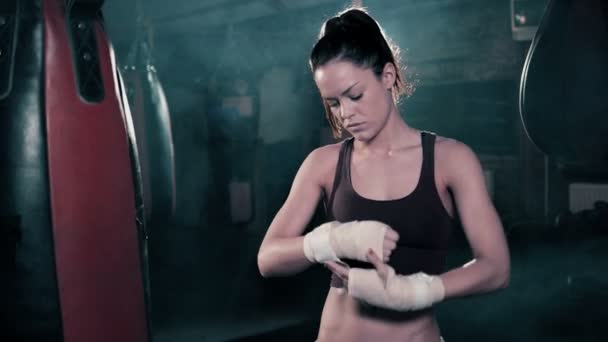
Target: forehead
<point>335,77</point>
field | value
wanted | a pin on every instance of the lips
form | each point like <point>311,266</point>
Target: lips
<point>354,125</point>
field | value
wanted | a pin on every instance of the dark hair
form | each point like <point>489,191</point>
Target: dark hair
<point>355,36</point>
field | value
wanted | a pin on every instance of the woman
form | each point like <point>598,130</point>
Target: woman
<point>391,193</point>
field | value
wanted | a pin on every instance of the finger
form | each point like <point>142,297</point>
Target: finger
<point>389,245</point>
<point>391,235</point>
<point>339,269</point>
<point>386,255</point>
<point>373,258</point>
<point>334,266</point>
<point>383,273</point>
<point>380,267</point>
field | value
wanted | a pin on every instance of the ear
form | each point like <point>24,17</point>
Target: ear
<point>389,75</point>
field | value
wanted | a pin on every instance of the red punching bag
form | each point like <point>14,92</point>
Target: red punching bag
<point>91,180</point>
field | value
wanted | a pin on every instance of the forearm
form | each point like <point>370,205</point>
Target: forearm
<point>477,276</point>
<point>282,256</point>
<point>279,256</point>
<point>384,288</point>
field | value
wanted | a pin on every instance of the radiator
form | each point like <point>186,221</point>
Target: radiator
<point>583,195</point>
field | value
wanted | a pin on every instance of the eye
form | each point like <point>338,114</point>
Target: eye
<point>356,97</point>
<point>333,104</point>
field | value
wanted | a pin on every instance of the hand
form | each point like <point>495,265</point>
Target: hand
<point>341,269</point>
<point>390,243</point>
<point>379,265</point>
<point>384,288</point>
<point>352,239</point>
<point>335,240</point>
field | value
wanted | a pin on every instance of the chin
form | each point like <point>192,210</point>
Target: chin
<point>361,136</point>
<point>364,136</point>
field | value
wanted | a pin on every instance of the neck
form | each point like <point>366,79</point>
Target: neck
<point>395,135</point>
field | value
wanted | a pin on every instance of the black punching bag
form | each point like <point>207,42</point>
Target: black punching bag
<point>152,122</point>
<point>28,287</point>
<point>564,84</point>
<point>68,164</point>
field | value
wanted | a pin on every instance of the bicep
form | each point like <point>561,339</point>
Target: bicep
<point>301,203</point>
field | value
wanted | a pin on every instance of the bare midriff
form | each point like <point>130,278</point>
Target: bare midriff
<point>345,319</point>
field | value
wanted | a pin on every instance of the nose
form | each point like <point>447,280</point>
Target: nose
<point>346,111</point>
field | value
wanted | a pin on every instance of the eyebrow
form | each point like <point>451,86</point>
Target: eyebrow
<point>344,92</point>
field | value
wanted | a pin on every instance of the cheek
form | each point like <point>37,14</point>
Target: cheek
<point>375,105</point>
<point>335,112</point>
<point>385,101</point>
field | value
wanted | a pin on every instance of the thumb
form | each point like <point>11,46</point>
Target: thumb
<point>381,267</point>
<point>373,258</point>
<point>338,268</point>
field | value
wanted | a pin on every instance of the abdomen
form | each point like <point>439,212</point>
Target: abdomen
<point>346,319</point>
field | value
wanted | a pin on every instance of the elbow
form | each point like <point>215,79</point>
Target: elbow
<point>270,263</point>
<point>503,282</point>
<point>503,277</point>
<point>263,264</point>
<point>506,280</point>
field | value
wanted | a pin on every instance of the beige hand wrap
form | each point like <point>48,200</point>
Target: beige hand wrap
<point>402,293</point>
<point>334,240</point>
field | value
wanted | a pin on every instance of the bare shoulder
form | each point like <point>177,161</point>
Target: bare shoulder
<point>455,160</point>
<point>323,153</point>
<point>321,162</point>
<point>449,151</point>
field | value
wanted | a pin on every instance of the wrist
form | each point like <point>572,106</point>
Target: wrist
<point>317,244</point>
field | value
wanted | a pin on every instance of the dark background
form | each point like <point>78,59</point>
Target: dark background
<point>467,59</point>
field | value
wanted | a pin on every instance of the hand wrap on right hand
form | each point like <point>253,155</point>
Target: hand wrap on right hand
<point>399,292</point>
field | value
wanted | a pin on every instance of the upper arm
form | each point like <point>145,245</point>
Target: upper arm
<point>306,191</point>
<point>480,221</point>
